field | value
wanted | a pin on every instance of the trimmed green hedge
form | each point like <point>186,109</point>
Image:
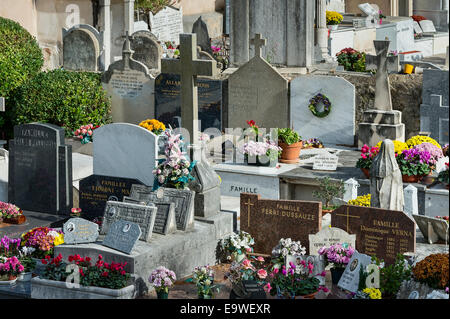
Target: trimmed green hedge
<point>64,98</point>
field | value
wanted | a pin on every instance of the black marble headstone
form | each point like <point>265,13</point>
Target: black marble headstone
<point>40,169</point>
<point>96,190</point>
<point>168,101</point>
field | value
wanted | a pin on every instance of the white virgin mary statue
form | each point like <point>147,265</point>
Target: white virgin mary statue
<point>386,185</point>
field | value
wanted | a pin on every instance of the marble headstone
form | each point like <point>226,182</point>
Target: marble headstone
<point>183,200</point>
<point>167,24</point>
<point>411,200</point>
<point>142,215</point>
<point>40,169</point>
<point>417,28</point>
<point>427,26</point>
<point>125,150</point>
<point>122,236</point>
<point>146,49</point>
<point>339,126</point>
<point>81,48</point>
<point>328,237</point>
<point>79,231</point>
<point>350,278</point>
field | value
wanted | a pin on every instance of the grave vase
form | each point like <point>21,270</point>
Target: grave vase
<point>25,276</point>
<point>336,274</point>
<point>333,27</point>
<point>366,172</point>
<point>259,161</point>
<point>162,294</point>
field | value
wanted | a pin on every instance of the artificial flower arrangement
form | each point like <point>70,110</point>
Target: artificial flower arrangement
<point>220,55</point>
<point>312,143</point>
<point>101,274</point>
<point>286,247</point>
<point>337,255</point>
<point>170,50</point>
<point>334,17</point>
<point>10,268</point>
<point>203,278</point>
<point>443,217</point>
<point>352,60</point>
<point>85,132</point>
<point>43,240</point>
<point>26,259</point>
<point>236,246</point>
<point>363,200</point>
<point>75,212</point>
<point>175,170</point>
<point>10,213</point>
<point>162,279</point>
<point>251,269</point>
<point>154,126</point>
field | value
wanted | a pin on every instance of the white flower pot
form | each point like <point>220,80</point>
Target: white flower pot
<point>25,276</point>
<point>333,27</point>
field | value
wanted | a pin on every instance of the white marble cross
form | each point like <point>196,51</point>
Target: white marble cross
<point>258,42</point>
<point>383,64</point>
<point>189,67</point>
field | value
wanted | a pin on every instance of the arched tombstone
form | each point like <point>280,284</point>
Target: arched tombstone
<point>82,48</point>
<point>201,29</point>
<point>146,49</point>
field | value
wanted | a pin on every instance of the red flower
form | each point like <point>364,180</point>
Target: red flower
<point>251,123</point>
<point>105,274</point>
<point>88,259</point>
<point>44,261</point>
<point>100,257</point>
<point>70,258</point>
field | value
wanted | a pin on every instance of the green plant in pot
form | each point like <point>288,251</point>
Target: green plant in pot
<point>291,143</point>
<point>328,190</point>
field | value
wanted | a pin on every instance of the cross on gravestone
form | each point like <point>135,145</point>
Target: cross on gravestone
<point>127,52</point>
<point>348,218</point>
<point>383,64</point>
<point>189,67</point>
<point>258,42</point>
<point>434,119</point>
<point>248,204</point>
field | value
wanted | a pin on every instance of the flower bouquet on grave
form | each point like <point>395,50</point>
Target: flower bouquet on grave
<point>368,293</point>
<point>333,19</point>
<point>433,271</point>
<point>154,126</point>
<point>43,240</point>
<point>170,50</point>
<point>75,212</point>
<point>203,278</point>
<point>286,247</point>
<point>234,247</point>
<point>252,269</point>
<point>219,53</point>
<point>11,214</point>
<point>175,170</point>
<point>29,264</point>
<point>291,144</point>
<point>10,268</point>
<point>312,143</point>
<point>9,246</point>
<point>162,279</point>
<point>414,164</point>
<point>365,161</point>
<point>85,132</point>
<point>261,153</point>
<point>338,255</point>
<point>363,200</point>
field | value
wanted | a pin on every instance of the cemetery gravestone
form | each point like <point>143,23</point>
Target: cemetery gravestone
<point>165,215</point>
<point>142,215</point>
<point>328,237</point>
<point>411,200</point>
<point>168,101</point>
<point>338,127</point>
<point>433,229</point>
<point>79,231</point>
<point>40,169</point>
<point>126,151</point>
<point>146,49</point>
<point>96,190</point>
<point>350,278</point>
<point>81,48</point>
<point>325,162</point>
<point>269,220</point>
<point>427,26</point>
<point>131,88</point>
<point>167,24</point>
<point>122,236</point>
<point>183,200</point>
<point>203,40</point>
<point>379,232</point>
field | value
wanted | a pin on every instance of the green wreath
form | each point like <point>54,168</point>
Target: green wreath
<point>315,101</point>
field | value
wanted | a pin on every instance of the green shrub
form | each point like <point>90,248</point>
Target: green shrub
<point>20,59</point>
<point>352,60</point>
<point>64,98</point>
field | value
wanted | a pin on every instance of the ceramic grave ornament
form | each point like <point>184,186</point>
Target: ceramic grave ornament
<point>386,185</point>
<point>79,231</point>
<point>122,236</point>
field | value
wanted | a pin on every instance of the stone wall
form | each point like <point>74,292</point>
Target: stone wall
<point>406,91</point>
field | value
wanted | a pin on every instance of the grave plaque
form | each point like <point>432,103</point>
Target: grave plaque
<point>427,26</point>
<point>417,28</point>
<point>329,236</point>
<point>122,236</point>
<point>325,162</point>
<point>317,261</point>
<point>142,215</point>
<point>168,101</point>
<point>379,232</point>
<point>165,215</point>
<point>40,169</point>
<point>79,231</point>
<point>183,200</point>
<point>269,220</point>
<point>350,278</point>
<point>96,190</point>
<point>167,24</point>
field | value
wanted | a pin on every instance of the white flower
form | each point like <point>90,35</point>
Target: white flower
<point>284,252</point>
<point>288,242</point>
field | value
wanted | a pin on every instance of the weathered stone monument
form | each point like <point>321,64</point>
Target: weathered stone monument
<point>81,48</point>
<point>146,49</point>
<point>382,122</point>
<point>203,40</point>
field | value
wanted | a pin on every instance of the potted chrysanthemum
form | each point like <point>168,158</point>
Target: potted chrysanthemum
<point>333,20</point>
<point>162,279</point>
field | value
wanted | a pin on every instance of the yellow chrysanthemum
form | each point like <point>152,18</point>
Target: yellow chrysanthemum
<point>419,139</point>
<point>373,293</point>
<point>334,17</point>
<point>360,201</point>
<point>58,240</point>
<point>153,125</point>
<point>399,146</point>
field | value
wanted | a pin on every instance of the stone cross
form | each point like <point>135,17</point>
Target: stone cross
<point>258,42</point>
<point>127,52</point>
<point>383,64</point>
<point>189,67</point>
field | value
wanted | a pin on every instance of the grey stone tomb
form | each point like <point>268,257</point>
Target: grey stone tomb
<point>122,236</point>
<point>81,48</point>
<point>433,229</point>
<point>146,49</point>
<point>350,278</point>
<point>79,231</point>
<point>382,122</point>
<point>201,30</point>
<point>142,215</point>
<point>182,198</point>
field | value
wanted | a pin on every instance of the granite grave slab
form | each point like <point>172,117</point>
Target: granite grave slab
<point>122,236</point>
<point>80,231</point>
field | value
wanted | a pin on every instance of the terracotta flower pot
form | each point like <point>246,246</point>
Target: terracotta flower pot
<point>411,179</point>
<point>290,153</point>
<point>366,172</point>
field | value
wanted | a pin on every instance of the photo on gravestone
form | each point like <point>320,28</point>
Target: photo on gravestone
<point>96,190</point>
<point>269,220</point>
<point>122,236</point>
<point>168,101</point>
<point>302,262</point>
<point>350,278</point>
<point>165,215</point>
<point>182,198</point>
<point>79,231</point>
<point>40,169</point>
<point>142,215</point>
<point>379,232</point>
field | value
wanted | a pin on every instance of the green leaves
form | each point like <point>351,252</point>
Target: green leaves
<point>328,190</point>
<point>288,136</point>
